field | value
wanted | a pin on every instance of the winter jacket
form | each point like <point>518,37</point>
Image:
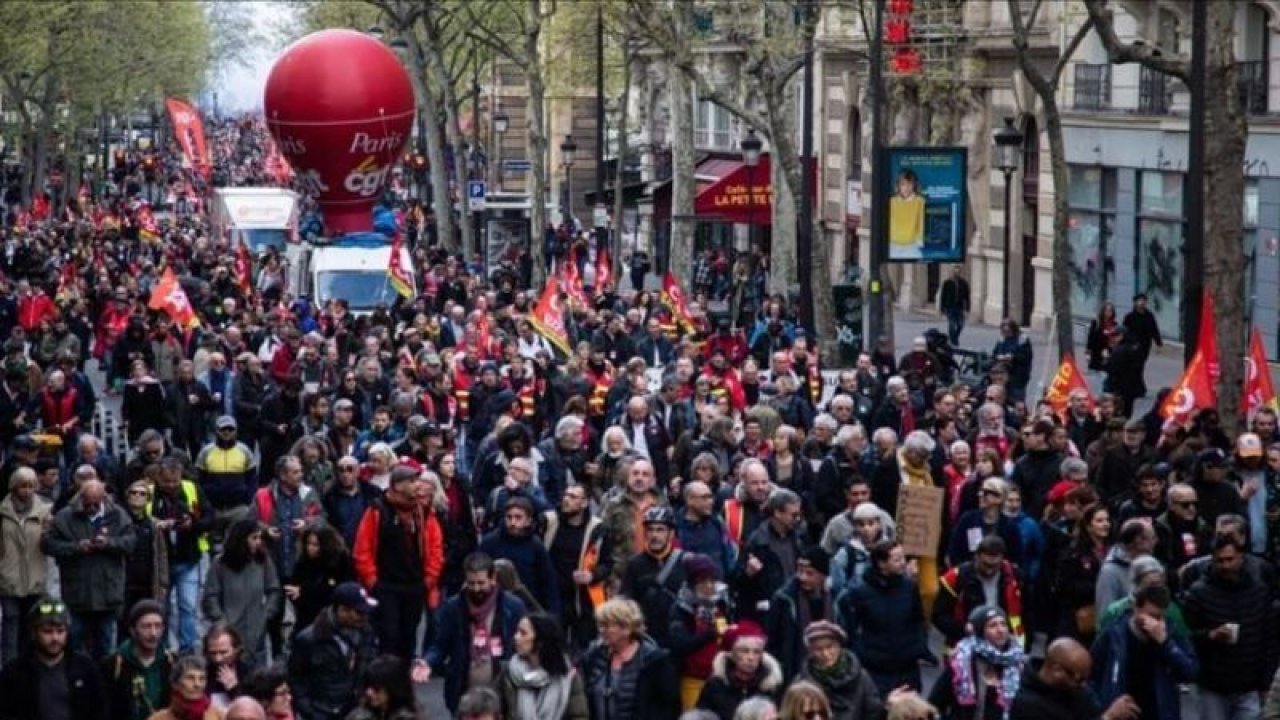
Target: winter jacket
<point>962,545</point>
<point>1175,664</point>
<point>267,503</point>
<point>378,562</point>
<point>1037,700</point>
<point>960,592</point>
<point>449,654</point>
<point>1115,476</point>
<point>884,619</point>
<point>326,667</point>
<point>246,599</point>
<point>135,691</point>
<point>851,692</point>
<point>22,563</point>
<point>1246,665</point>
<point>707,536</point>
<point>657,689</point>
<point>1113,578</point>
<point>785,630</point>
<point>532,563</point>
<point>92,581</point>
<point>694,637</point>
<point>722,693</point>
<point>20,688</point>
<point>758,588</point>
<point>1035,473</point>
<point>1075,586</point>
<point>227,475</point>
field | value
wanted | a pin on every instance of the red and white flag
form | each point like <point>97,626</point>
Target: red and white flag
<point>168,296</point>
<point>1259,392</point>
<point>1193,392</point>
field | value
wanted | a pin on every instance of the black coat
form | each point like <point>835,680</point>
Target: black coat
<point>657,692</point>
<point>884,619</point>
<point>20,688</point>
<point>1035,473</point>
<point>722,695</point>
<point>1248,664</point>
<point>326,671</point>
<point>1038,701</point>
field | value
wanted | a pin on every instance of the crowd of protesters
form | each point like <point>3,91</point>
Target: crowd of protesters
<point>314,511</point>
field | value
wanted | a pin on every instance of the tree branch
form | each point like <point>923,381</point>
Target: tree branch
<point>1123,53</point>
<point>1035,11</point>
<point>1072,46</point>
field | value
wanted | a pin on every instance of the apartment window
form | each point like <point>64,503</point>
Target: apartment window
<point>1091,193</point>
<point>1093,86</point>
<point>1161,230</point>
<point>1252,65</point>
<point>712,127</point>
<point>1155,92</point>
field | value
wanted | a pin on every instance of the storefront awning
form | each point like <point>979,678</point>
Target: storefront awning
<point>742,195</point>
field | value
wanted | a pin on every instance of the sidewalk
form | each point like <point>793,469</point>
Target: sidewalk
<point>1164,367</point>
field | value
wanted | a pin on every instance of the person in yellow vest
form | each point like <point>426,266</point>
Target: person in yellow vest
<point>906,218</point>
<point>744,512</point>
<point>599,374</point>
<point>805,364</point>
<point>185,517</point>
<point>575,538</point>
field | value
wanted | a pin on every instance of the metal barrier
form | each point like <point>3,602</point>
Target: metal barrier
<point>108,428</point>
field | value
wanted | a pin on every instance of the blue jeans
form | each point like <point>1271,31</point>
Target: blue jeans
<point>94,633</point>
<point>184,584</point>
<point>1236,706</point>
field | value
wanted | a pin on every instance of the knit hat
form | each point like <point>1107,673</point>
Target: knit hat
<point>743,629</point>
<point>1143,565</point>
<point>698,568</point>
<point>824,628</point>
<point>866,511</point>
<point>984,614</point>
<point>817,558</point>
<point>48,611</point>
<point>1058,493</point>
<point>142,608</point>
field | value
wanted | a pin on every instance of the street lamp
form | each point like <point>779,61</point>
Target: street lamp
<point>1005,156</point>
<point>568,149</point>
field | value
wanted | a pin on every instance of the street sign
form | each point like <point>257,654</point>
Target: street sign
<point>514,165</point>
<point>475,195</point>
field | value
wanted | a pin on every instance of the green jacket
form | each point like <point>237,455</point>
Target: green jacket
<point>1114,611</point>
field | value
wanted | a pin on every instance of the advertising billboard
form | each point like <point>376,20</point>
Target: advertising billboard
<point>927,203</point>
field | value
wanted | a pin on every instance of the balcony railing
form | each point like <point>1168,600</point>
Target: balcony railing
<point>1155,92</point>
<point>1093,87</point>
<point>1253,87</point>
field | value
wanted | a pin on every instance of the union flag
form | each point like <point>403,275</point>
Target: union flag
<point>1067,379</point>
<point>399,277</point>
<point>168,296</point>
<point>604,269</point>
<point>1193,392</point>
<point>548,316</point>
<point>1258,391</point>
<point>673,296</point>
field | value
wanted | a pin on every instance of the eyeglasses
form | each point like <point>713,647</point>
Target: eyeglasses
<point>139,492</point>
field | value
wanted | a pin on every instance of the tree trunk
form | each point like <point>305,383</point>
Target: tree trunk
<point>785,160</point>
<point>683,183</point>
<point>1063,325</point>
<point>537,139</point>
<point>448,99</point>
<point>1226,129</point>
<point>441,197</point>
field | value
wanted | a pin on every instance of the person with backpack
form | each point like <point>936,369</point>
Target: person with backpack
<point>653,577</point>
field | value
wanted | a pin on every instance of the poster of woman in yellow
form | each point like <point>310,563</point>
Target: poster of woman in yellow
<point>906,218</point>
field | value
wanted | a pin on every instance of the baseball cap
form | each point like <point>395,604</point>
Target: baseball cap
<point>1212,457</point>
<point>226,421</point>
<point>49,611</point>
<point>351,595</point>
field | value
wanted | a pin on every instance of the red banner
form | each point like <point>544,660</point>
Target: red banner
<point>604,269</point>
<point>189,129</point>
<point>548,316</point>
<point>1193,392</point>
<point>573,283</point>
<point>1258,390</point>
<point>673,296</point>
<point>169,296</point>
<point>147,227</point>
<point>244,269</point>
<point>1207,338</point>
<point>1067,379</point>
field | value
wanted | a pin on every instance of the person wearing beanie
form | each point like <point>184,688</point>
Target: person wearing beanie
<point>30,685</point>
<point>399,558</point>
<point>830,665</point>
<point>137,674</point>
<point>884,616</point>
<point>802,600</point>
<point>698,622</point>
<point>741,670</point>
<point>984,672</point>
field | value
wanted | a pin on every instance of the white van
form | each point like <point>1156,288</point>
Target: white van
<point>260,218</point>
<point>352,268</point>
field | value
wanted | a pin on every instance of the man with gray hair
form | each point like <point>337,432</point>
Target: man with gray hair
<point>1137,538</point>
<point>563,459</point>
<point>820,440</point>
<point>768,557</point>
<point>839,466</point>
<point>898,411</point>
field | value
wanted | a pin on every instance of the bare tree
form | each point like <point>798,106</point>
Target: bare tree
<point>1226,131</point>
<point>769,41</point>
<point>1046,89</point>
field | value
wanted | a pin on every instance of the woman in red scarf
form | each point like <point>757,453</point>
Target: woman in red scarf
<point>188,699</point>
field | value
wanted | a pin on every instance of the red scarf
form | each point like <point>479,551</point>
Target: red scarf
<point>186,709</point>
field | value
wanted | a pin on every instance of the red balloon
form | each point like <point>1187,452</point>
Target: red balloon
<point>340,106</point>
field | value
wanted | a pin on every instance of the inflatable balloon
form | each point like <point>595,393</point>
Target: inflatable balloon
<point>340,107</point>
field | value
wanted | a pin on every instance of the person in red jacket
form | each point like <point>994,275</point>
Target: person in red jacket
<point>34,307</point>
<point>111,324</point>
<point>723,375</point>
<point>399,557</point>
<point>285,355</point>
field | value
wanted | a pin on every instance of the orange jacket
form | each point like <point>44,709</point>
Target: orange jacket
<point>366,551</point>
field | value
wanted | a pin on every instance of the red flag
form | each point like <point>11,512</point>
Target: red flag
<point>244,269</point>
<point>1207,339</point>
<point>673,296</point>
<point>573,283</point>
<point>1258,390</point>
<point>604,269</point>
<point>399,277</point>
<point>147,227</point>
<point>548,316</point>
<point>1067,379</point>
<point>169,296</point>
<point>189,129</point>
<point>1194,391</point>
